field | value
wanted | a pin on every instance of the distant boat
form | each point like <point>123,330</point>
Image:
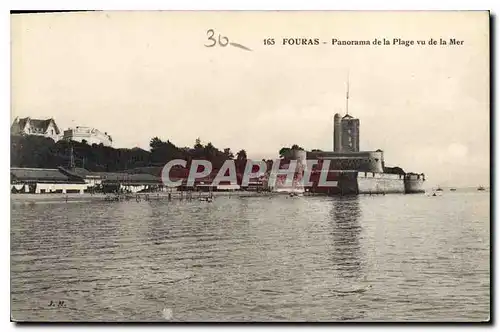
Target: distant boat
<point>439,189</point>
<point>453,189</point>
<point>481,188</point>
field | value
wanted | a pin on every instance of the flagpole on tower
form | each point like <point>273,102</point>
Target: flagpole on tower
<point>347,95</point>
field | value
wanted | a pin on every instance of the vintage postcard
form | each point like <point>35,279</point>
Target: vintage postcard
<point>306,166</point>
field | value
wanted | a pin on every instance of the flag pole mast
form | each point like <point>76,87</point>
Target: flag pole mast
<point>347,96</point>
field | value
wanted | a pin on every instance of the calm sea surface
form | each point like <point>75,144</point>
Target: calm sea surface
<point>366,258</point>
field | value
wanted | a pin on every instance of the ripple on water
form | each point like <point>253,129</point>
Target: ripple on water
<point>254,259</point>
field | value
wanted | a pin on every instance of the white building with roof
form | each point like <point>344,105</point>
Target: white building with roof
<point>89,135</point>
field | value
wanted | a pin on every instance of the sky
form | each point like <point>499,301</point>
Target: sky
<point>137,75</point>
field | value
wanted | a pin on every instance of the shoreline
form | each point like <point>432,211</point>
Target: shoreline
<point>58,197</point>
<point>27,198</point>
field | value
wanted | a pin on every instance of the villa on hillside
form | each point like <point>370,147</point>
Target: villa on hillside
<point>49,128</point>
<point>29,126</point>
<point>89,135</point>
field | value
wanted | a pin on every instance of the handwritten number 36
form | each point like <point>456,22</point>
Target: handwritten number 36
<point>223,41</point>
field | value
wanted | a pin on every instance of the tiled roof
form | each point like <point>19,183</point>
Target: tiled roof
<point>128,178</point>
<point>40,175</point>
<point>77,172</point>
<point>22,123</point>
<point>81,171</point>
<point>41,125</point>
<point>153,170</point>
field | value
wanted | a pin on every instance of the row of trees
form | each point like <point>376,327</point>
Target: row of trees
<point>162,152</point>
<point>42,152</point>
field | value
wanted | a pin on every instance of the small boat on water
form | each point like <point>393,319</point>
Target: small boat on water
<point>481,188</point>
<point>439,189</point>
<point>453,189</point>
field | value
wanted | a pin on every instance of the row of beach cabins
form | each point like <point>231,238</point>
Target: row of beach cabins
<point>79,180</point>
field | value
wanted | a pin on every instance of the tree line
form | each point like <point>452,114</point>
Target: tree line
<point>42,152</point>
